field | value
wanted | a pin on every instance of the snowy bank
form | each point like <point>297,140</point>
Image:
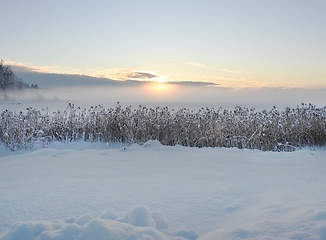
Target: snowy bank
<point>159,192</point>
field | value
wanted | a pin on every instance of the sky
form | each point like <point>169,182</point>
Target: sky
<point>237,44</point>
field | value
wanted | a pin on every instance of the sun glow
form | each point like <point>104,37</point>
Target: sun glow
<point>161,88</point>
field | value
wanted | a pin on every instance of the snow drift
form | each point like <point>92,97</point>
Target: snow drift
<point>137,224</point>
<point>98,191</point>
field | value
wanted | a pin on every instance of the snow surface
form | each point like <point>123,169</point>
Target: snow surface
<point>103,191</point>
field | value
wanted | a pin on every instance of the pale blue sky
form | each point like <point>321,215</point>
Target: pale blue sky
<point>234,43</point>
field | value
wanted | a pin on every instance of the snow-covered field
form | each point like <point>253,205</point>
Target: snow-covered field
<point>108,191</point>
<point>97,191</point>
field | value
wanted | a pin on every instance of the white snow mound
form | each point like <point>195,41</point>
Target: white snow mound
<point>136,224</point>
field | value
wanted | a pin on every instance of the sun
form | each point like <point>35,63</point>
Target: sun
<point>160,87</point>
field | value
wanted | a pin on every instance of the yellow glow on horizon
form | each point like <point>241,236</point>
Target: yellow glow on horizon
<point>159,88</point>
<point>223,77</point>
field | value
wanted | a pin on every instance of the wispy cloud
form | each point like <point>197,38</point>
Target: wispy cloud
<point>235,72</point>
<point>244,83</point>
<point>122,74</point>
<point>224,81</point>
<point>195,64</point>
<point>43,69</point>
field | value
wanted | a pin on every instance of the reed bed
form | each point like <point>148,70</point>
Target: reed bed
<point>273,130</point>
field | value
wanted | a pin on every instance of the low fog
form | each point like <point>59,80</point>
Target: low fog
<point>57,90</point>
<point>193,96</point>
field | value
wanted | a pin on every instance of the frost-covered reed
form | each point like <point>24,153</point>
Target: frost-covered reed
<point>273,130</point>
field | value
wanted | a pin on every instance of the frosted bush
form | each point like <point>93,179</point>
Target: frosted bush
<point>273,130</point>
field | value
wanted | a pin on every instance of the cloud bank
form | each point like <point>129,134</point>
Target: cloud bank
<point>140,88</point>
<point>120,77</point>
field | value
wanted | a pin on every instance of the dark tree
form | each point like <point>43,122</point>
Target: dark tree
<point>8,79</point>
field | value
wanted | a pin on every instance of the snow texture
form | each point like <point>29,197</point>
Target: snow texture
<point>98,191</point>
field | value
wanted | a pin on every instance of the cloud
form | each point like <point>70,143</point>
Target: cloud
<point>116,74</point>
<point>55,76</point>
<point>229,82</point>
<point>20,67</point>
<point>199,78</point>
<point>194,83</point>
<point>235,72</point>
<point>143,75</point>
<point>121,74</point>
<point>106,77</point>
<point>243,83</point>
<point>111,74</point>
<point>195,64</point>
